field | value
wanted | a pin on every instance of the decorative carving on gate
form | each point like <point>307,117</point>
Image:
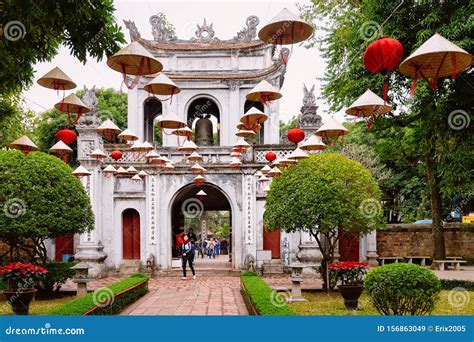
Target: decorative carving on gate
<point>250,32</point>
<point>205,33</point>
<point>309,120</point>
<point>160,31</point>
<point>89,119</point>
<point>132,29</point>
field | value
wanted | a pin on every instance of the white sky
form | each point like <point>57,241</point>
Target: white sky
<point>228,17</point>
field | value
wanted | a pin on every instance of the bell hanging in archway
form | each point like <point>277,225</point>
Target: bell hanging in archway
<point>204,131</point>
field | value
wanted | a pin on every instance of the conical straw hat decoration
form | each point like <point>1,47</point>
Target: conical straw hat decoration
<point>56,79</point>
<point>134,59</point>
<point>313,143</point>
<point>24,144</point>
<point>434,59</point>
<point>331,130</point>
<point>71,104</point>
<point>252,118</point>
<point>128,135</point>
<point>108,129</point>
<point>285,28</point>
<point>368,106</point>
<point>264,93</point>
<point>61,150</point>
<point>162,85</point>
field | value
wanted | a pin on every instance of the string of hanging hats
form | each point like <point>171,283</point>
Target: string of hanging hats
<point>81,171</point>
<point>135,60</point>
<point>56,79</point>
<point>434,59</point>
<point>284,29</point>
<point>128,136</point>
<point>368,106</point>
<point>109,171</point>
<point>264,93</point>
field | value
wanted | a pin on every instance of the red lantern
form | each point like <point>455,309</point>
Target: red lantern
<point>116,155</point>
<point>270,156</point>
<point>67,136</point>
<point>295,135</point>
<point>383,56</point>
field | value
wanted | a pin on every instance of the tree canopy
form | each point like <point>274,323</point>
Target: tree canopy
<point>420,129</point>
<point>34,30</point>
<point>41,199</point>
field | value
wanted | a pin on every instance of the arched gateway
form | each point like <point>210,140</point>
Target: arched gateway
<point>214,75</point>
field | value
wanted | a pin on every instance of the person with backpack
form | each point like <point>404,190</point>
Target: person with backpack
<point>187,256</point>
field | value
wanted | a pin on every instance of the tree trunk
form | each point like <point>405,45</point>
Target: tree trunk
<point>437,230</point>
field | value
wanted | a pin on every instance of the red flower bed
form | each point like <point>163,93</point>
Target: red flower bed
<point>349,272</point>
<point>19,275</point>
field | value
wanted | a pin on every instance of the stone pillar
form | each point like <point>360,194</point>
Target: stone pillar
<point>90,248</point>
<point>248,208</point>
<point>309,254</point>
<point>234,109</point>
<point>372,255</point>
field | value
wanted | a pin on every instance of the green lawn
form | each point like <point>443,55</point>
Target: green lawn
<point>323,304</point>
<point>38,307</point>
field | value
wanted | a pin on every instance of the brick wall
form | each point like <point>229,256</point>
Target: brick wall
<point>415,239</point>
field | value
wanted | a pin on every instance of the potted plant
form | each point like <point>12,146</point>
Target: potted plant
<point>20,279</point>
<point>350,274</point>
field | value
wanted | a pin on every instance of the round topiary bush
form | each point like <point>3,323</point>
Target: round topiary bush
<point>402,289</point>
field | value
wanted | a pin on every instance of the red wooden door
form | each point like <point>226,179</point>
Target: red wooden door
<point>348,246</point>
<point>64,245</point>
<point>131,234</point>
<point>271,241</point>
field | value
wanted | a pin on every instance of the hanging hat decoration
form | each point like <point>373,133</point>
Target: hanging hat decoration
<point>285,28</point>
<point>270,156</point>
<point>81,171</point>
<point>142,173</point>
<point>434,59</point>
<point>241,145</point>
<point>264,93</point>
<point>152,155</point>
<point>72,105</point>
<point>265,169</point>
<point>127,135</point>
<point>331,131</point>
<point>169,166</point>
<point>313,143</point>
<point>116,155</point>
<point>162,85</point>
<point>295,135</point>
<point>199,180</point>
<point>188,146</point>
<point>197,168</point>
<point>195,157</point>
<point>252,118</point>
<point>183,132</point>
<point>275,172</point>
<point>170,121</point>
<point>201,195</point>
<point>298,154</point>
<point>276,162</point>
<point>235,163</point>
<point>134,59</point>
<point>61,150</point>
<point>258,174</point>
<point>263,179</point>
<point>109,171</point>
<point>97,154</point>
<point>136,179</point>
<point>383,56</point>
<point>246,133</point>
<point>56,79</point>
<point>67,136</point>
<point>235,154</point>
<point>146,146</point>
<point>121,171</point>
<point>286,161</point>
<point>108,130</point>
<point>368,106</point>
<point>24,144</point>
<point>131,169</point>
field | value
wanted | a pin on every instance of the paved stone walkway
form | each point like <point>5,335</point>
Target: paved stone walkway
<point>212,295</point>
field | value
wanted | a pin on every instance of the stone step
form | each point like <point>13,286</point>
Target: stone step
<point>275,266</point>
<point>178,272</point>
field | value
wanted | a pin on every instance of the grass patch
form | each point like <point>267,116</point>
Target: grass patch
<point>259,296</point>
<point>332,304</point>
<point>118,295</point>
<point>39,306</point>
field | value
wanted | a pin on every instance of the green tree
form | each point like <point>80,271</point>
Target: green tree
<point>34,30</point>
<point>445,153</point>
<point>323,195</point>
<point>14,120</point>
<point>41,200</point>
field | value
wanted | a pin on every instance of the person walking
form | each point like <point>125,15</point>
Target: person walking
<point>191,235</point>
<point>187,256</point>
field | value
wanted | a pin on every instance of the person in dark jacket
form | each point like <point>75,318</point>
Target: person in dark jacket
<point>192,236</point>
<point>187,256</point>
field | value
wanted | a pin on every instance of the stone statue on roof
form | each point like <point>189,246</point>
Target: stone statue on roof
<point>132,28</point>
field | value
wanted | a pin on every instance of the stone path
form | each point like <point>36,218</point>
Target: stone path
<point>212,295</point>
<point>283,283</point>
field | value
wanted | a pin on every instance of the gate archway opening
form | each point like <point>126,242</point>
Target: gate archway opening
<point>210,218</point>
<point>204,107</point>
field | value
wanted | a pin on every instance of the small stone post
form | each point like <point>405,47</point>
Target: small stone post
<point>296,279</point>
<point>81,278</point>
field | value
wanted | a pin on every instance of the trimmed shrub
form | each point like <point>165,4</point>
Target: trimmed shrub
<point>403,289</point>
<point>260,297</point>
<point>58,273</point>
<point>107,301</point>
